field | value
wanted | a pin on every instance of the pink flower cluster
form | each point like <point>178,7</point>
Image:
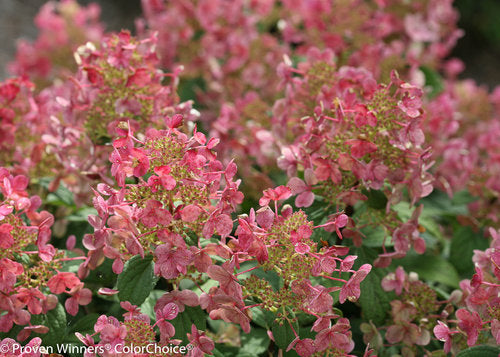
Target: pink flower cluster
<point>30,267</point>
<point>136,330</point>
<point>63,27</point>
<point>352,135</point>
<point>307,166</point>
<point>463,125</point>
<point>480,314</point>
<point>187,191</point>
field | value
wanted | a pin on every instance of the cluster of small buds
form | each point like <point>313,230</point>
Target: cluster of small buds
<point>181,191</point>
<point>479,320</point>
<point>353,132</point>
<point>30,267</point>
<point>63,27</point>
<point>181,198</point>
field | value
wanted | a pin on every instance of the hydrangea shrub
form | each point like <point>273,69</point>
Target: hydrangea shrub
<point>243,177</point>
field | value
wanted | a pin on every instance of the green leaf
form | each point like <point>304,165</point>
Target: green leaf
<point>374,301</point>
<point>307,319</point>
<point>55,320</point>
<point>462,198</point>
<point>82,324</point>
<point>184,321</point>
<point>217,353</point>
<point>319,211</point>
<point>188,87</point>
<point>137,280</point>
<point>283,334</point>
<point>439,204</point>
<point>431,268</point>
<point>223,350</point>
<point>191,238</point>
<point>376,199</point>
<point>61,197</point>
<point>464,241</point>
<point>374,237</point>
<point>261,317</point>
<point>82,214</point>
<point>433,80</point>
<point>480,351</point>
<point>254,343</point>
<point>102,276</point>
<point>271,277</point>
<point>148,305</point>
<point>70,265</point>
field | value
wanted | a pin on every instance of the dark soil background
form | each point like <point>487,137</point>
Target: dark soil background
<point>479,48</point>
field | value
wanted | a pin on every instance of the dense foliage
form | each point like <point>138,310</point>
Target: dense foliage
<point>250,178</point>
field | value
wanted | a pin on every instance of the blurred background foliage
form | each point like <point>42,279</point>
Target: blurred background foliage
<point>479,48</point>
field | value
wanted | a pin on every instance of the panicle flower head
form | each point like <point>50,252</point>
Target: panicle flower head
<point>181,192</point>
<point>351,136</point>
<point>134,332</point>
<point>30,267</point>
<point>118,82</point>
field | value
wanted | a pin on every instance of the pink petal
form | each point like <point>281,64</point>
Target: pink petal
<point>190,213</point>
<point>305,199</point>
<point>224,225</point>
<point>302,248</point>
<point>296,185</point>
<point>107,291</point>
<point>170,311</point>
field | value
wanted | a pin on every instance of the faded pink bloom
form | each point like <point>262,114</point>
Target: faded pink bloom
<point>351,289</point>
<point>408,333</point>
<point>154,214</point>
<point>302,189</point>
<point>6,239</point>
<point>277,194</point>
<point>79,296</point>
<point>335,336</point>
<point>470,323</point>
<point>443,333</point>
<point>394,281</point>
<point>495,330</point>
<point>304,348</point>
<point>180,297</point>
<point>172,261</point>
<point>62,281</point>
<point>201,343</point>
<point>32,298</point>
<point>360,148</point>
